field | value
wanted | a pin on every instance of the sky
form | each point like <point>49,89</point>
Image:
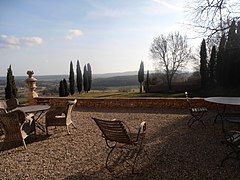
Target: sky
<point>111,35</point>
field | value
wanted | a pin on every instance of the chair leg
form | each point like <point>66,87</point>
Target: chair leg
<point>47,130</point>
<point>74,125</point>
<point>190,122</point>
<point>228,156</point>
<point>195,118</point>
<point>112,148</point>
<point>135,159</point>
<point>24,144</point>
<point>68,130</point>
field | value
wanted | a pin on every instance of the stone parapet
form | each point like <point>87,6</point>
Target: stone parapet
<point>129,103</point>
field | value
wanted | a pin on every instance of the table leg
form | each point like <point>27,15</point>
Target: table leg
<point>39,125</point>
<point>220,114</point>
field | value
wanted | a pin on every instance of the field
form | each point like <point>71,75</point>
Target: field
<point>112,94</point>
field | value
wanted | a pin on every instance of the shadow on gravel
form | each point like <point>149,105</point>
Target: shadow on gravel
<point>174,151</point>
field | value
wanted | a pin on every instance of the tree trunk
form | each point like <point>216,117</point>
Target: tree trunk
<point>141,88</point>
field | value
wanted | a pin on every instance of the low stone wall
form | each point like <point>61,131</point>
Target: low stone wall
<point>128,103</point>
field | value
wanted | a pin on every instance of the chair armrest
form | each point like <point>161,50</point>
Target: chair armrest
<point>142,127</point>
<point>141,130</point>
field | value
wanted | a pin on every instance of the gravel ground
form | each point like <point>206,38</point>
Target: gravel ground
<point>171,151</point>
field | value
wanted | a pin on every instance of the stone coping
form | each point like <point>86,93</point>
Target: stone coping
<point>129,103</point>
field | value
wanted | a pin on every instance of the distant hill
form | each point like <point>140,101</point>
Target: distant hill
<point>116,81</point>
<point>107,75</point>
<point>59,77</point>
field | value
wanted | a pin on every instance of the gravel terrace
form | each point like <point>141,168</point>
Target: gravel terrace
<point>171,151</point>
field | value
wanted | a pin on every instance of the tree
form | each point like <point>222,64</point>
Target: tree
<point>228,58</point>
<point>71,79</point>
<point>171,53</point>
<point>141,76</point>
<point>85,79</point>
<point>231,58</point>
<point>203,64</point>
<point>66,89</point>
<point>61,89</point>
<point>220,58</point>
<point>147,83</point>
<point>79,77</point>
<point>213,18</point>
<point>89,73</point>
<point>10,89</point>
<point>212,65</point>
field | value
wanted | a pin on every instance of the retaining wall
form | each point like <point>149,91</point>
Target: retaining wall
<point>128,103</point>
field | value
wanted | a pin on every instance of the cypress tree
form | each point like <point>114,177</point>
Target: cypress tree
<point>79,77</point>
<point>141,76</point>
<point>203,64</point>
<point>231,59</point>
<point>10,89</point>
<point>89,72</point>
<point>65,85</point>
<point>220,59</point>
<point>85,79</point>
<point>71,79</point>
<point>212,65</point>
<point>147,83</point>
<point>61,89</point>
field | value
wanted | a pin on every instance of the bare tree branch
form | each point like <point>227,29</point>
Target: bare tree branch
<point>212,18</point>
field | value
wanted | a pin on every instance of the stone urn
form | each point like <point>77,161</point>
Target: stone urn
<point>31,86</point>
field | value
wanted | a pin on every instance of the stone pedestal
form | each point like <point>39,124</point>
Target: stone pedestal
<point>31,85</point>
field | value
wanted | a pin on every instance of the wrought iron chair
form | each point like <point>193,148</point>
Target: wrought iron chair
<point>232,140</point>
<point>196,113</point>
<point>61,116</point>
<point>17,127</point>
<point>117,134</point>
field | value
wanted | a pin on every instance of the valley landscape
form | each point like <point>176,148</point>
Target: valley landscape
<point>47,85</point>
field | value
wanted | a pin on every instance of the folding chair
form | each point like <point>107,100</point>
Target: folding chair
<point>196,113</point>
<point>232,140</point>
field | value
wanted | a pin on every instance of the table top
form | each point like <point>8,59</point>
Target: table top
<point>224,100</point>
<point>33,108</point>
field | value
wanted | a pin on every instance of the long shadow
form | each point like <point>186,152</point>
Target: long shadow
<point>175,151</point>
<point>29,140</point>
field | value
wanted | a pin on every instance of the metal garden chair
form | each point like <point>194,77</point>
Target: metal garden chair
<point>117,134</point>
<point>232,140</point>
<point>196,113</point>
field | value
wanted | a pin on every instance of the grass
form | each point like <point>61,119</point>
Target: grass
<point>117,95</point>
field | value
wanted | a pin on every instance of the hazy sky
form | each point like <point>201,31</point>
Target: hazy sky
<point>111,35</point>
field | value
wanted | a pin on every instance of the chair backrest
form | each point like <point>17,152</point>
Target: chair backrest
<point>3,104</point>
<point>113,130</point>
<point>12,103</point>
